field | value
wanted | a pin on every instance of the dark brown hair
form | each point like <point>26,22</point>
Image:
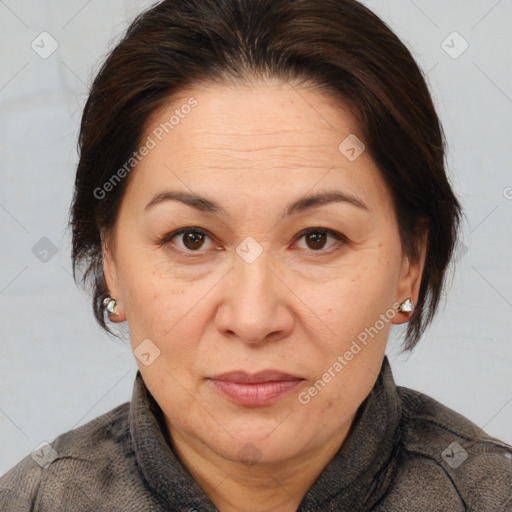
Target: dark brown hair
<point>339,45</point>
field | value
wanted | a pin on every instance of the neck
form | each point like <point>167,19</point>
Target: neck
<point>233,486</point>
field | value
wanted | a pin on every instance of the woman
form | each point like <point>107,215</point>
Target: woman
<point>261,194</point>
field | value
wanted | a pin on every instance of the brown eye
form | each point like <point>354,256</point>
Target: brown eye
<point>187,240</point>
<point>316,239</point>
<point>193,240</point>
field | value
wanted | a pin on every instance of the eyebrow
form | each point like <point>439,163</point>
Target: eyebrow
<point>206,205</point>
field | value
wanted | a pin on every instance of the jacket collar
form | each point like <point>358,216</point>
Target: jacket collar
<point>355,479</point>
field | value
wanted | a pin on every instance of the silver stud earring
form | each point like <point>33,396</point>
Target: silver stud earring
<point>406,306</point>
<point>110,305</point>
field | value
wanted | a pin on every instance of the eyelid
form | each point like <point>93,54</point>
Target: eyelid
<point>341,238</point>
<point>190,229</point>
<point>193,229</point>
<point>333,233</point>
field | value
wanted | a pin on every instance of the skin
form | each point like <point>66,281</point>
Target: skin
<point>254,149</point>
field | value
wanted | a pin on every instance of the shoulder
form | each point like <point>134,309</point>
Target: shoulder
<point>81,457</point>
<point>450,454</point>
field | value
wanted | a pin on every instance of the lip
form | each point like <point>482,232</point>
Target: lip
<point>243,377</point>
<point>256,390</point>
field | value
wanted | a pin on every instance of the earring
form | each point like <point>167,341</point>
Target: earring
<point>406,306</point>
<point>110,305</point>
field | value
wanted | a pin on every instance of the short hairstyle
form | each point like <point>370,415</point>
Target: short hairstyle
<point>339,46</point>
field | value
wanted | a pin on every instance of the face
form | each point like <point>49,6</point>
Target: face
<point>255,276</point>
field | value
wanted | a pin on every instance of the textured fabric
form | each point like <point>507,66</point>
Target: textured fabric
<point>405,452</point>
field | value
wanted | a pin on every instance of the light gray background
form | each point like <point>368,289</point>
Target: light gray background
<point>59,370</point>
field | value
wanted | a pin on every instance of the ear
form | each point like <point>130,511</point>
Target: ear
<point>111,277</point>
<point>410,278</point>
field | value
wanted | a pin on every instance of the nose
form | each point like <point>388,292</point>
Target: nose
<point>255,303</point>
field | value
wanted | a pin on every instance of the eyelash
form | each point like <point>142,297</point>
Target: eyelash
<point>165,240</point>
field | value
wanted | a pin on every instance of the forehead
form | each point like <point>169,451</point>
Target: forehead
<point>250,116</point>
<point>250,138</point>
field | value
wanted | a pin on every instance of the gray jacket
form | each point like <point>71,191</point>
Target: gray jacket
<point>406,452</point>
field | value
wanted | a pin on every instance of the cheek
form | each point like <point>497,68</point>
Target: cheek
<point>157,310</point>
<point>153,303</point>
<point>356,294</point>
<point>356,312</point>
